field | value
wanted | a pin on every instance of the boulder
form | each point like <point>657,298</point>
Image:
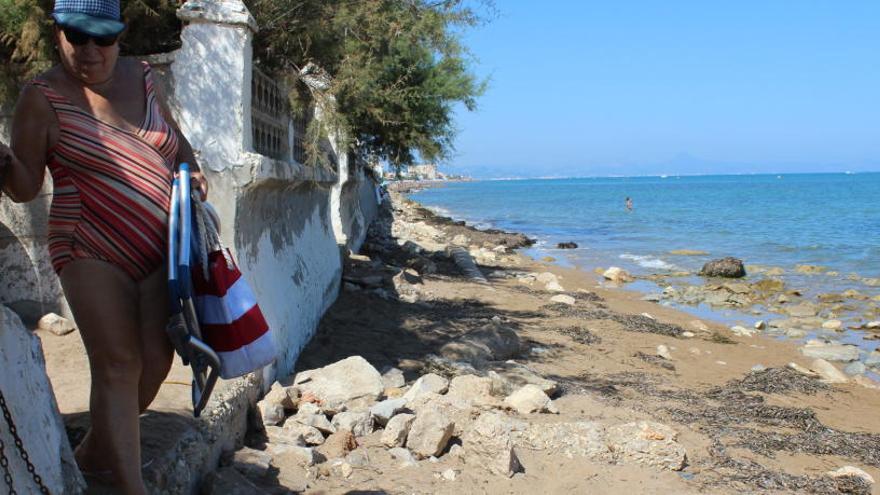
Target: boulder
<point>726,267</point>
<point>872,359</point>
<point>279,436</point>
<point>830,351</point>
<point>57,325</point>
<point>338,445</point>
<point>663,351</point>
<point>393,378</point>
<point>490,445</point>
<point>286,397</point>
<point>827,372</point>
<point>386,409</point>
<point>563,299</point>
<point>835,325</point>
<point>309,434</point>
<point>429,434</point>
<point>492,342</point>
<point>547,277</point>
<point>647,443</point>
<point>567,245</point>
<point>271,413</point>
<point>617,275</point>
<point>397,429</point>
<point>743,331</point>
<point>360,423</point>
<point>530,399</point>
<point>341,382</point>
<point>251,462</point>
<point>582,438</point>
<point>310,415</point>
<point>802,310</point>
<point>404,456</point>
<point>475,389</point>
<point>430,383</point>
<point>458,411</point>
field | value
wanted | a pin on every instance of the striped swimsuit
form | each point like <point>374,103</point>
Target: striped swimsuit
<point>112,187</point>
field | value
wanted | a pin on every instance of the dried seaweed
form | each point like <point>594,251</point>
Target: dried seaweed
<point>579,334</point>
<point>631,323</point>
<point>778,381</point>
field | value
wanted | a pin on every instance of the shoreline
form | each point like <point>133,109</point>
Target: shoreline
<point>718,412</point>
<point>796,303</point>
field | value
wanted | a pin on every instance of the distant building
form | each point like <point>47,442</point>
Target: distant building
<point>426,171</point>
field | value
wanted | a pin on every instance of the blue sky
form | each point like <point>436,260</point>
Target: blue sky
<point>621,87</point>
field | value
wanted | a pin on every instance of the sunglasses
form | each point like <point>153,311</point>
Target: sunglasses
<point>79,38</point>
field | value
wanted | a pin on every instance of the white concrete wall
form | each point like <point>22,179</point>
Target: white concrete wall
<point>32,405</point>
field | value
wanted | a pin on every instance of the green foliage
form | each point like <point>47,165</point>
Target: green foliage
<point>397,68</point>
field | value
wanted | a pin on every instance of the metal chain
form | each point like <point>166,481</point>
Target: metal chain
<point>4,462</point>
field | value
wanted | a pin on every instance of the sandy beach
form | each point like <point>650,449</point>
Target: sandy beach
<point>715,412</point>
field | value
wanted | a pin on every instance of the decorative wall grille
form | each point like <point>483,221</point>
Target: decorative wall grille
<point>269,117</point>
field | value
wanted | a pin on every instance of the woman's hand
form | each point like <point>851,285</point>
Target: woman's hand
<point>198,181</point>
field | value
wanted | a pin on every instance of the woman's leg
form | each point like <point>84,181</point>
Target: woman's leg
<point>106,306</point>
<point>157,353</point>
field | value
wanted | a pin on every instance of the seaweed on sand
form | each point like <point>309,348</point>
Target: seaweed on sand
<point>778,381</point>
<point>580,335</point>
<point>631,323</point>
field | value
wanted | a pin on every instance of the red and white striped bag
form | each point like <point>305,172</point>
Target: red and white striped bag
<point>230,319</point>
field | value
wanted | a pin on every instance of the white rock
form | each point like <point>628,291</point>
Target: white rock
<point>760,325</point>
<point>530,399</point>
<point>872,325</point>
<point>554,287</point>
<point>832,325</point>
<point>404,456</point>
<point>851,471</point>
<point>430,383</point>
<point>699,326</point>
<point>393,378</point>
<point>56,324</point>
<point>663,352</point>
<point>429,434</point>
<point>343,381</point>
<point>271,413</point>
<point>359,423</point>
<point>510,376</point>
<point>397,429</point>
<point>830,352</point>
<point>490,444</point>
<point>743,331</point>
<point>279,436</point>
<point>688,335</point>
<point>582,438</point>
<point>310,415</point>
<point>450,474</point>
<point>310,434</point>
<point>564,299</point>
<point>617,275</point>
<point>802,370</point>
<point>546,278</point>
<point>384,410</point>
<point>461,240</point>
<point>647,443</point>
<point>473,389</point>
<point>827,372</point>
<point>286,397</point>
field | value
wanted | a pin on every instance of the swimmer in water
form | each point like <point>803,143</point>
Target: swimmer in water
<point>629,204</point>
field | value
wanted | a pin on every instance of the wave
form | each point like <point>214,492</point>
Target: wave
<point>649,262</point>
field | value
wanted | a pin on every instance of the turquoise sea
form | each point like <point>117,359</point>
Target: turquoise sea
<point>831,220</point>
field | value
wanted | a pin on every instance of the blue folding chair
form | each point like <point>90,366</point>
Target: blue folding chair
<point>183,328</point>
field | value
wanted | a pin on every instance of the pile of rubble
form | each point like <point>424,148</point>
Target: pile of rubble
<point>324,419</point>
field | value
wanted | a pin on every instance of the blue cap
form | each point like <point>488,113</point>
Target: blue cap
<point>94,17</point>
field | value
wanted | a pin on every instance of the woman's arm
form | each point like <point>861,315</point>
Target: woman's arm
<point>24,164</point>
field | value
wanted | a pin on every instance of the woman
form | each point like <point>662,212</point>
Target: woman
<point>95,120</point>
